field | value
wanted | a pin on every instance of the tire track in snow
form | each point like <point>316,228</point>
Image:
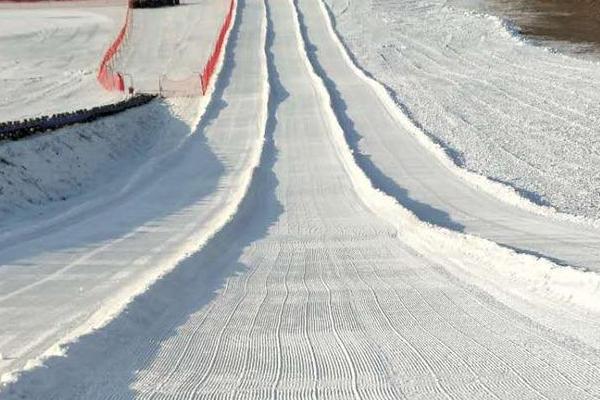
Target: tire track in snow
<point>338,340</point>
<point>279,367</point>
<point>194,393</point>
<point>313,359</point>
<point>338,259</point>
<point>186,352</point>
<point>250,335</point>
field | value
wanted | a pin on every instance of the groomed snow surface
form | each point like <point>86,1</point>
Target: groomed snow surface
<point>295,234</point>
<point>514,112</point>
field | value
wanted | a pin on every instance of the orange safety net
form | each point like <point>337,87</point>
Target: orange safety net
<point>108,79</point>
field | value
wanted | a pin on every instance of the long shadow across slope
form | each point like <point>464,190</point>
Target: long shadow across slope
<point>137,335</point>
<point>438,195</point>
<point>380,180</point>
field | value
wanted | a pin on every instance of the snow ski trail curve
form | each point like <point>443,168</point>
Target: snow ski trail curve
<point>545,396</point>
<point>348,79</point>
<point>315,235</point>
<point>395,154</point>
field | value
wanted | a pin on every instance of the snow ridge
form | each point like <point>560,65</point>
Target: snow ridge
<point>498,269</point>
<point>227,215</point>
<point>395,107</point>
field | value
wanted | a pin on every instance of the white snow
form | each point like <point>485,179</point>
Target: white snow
<point>504,271</point>
<point>172,42</point>
<point>174,185</point>
<point>51,169</point>
<point>248,252</point>
<point>50,55</point>
<point>503,108</point>
<point>318,285</point>
<point>402,160</point>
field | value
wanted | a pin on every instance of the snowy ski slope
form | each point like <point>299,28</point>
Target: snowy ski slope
<point>301,280</point>
<point>153,191</point>
<point>400,160</point>
<point>49,56</point>
<point>503,107</point>
<point>172,42</point>
<point>56,70</point>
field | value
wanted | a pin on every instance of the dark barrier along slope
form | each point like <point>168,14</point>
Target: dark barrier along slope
<point>20,129</point>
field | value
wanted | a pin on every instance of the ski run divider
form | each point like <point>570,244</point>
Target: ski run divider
<point>113,81</point>
<point>110,80</point>
<point>501,271</point>
<point>215,57</point>
<point>499,190</point>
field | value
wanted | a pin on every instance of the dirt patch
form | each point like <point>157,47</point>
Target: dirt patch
<point>569,25</point>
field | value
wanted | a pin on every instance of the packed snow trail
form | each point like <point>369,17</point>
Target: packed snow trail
<point>67,276</point>
<point>173,42</point>
<point>392,154</point>
<point>308,292</point>
<point>500,105</point>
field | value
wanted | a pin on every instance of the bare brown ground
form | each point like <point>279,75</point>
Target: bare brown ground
<point>569,21</point>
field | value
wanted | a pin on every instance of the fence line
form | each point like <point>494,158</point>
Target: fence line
<point>213,60</point>
<point>187,87</point>
<point>108,79</point>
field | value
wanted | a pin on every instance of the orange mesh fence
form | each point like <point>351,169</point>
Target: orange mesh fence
<point>191,86</point>
<point>188,87</point>
<point>211,64</point>
<point>109,79</point>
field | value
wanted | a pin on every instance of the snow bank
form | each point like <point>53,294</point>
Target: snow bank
<point>59,165</point>
<point>519,114</point>
<point>498,270</point>
<point>191,235</point>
